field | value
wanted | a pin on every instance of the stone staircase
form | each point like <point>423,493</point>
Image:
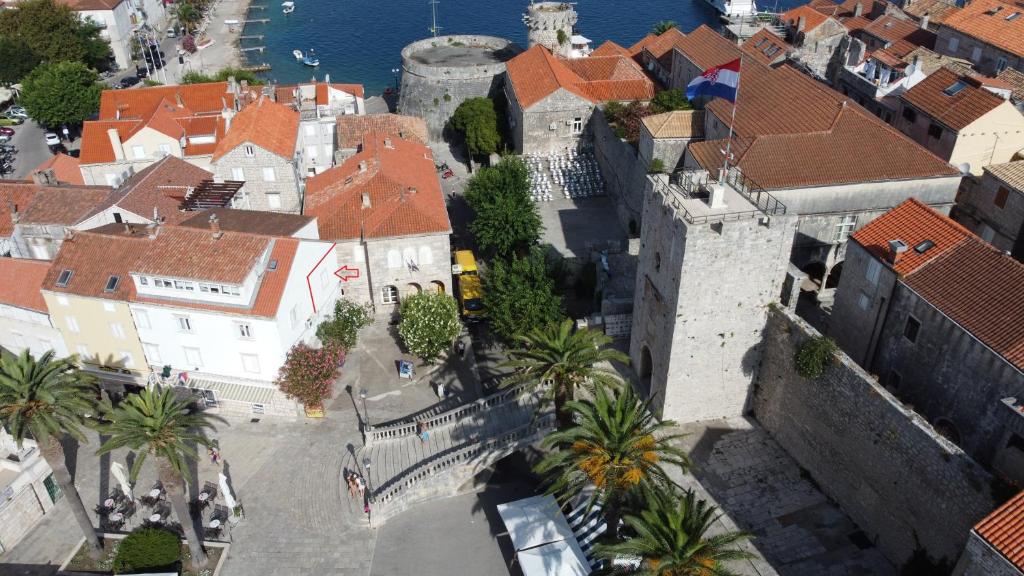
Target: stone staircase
<point>463,441</point>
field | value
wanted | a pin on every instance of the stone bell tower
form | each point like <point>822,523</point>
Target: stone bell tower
<point>550,24</point>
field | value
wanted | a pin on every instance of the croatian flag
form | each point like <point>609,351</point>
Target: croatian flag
<point>720,81</point>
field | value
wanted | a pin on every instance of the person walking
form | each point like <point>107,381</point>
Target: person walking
<point>422,432</point>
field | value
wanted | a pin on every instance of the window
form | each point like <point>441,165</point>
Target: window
<point>83,351</point>
<point>182,285</point>
<point>244,330</point>
<point>193,357</point>
<point>954,88</point>
<point>127,360</point>
<point>64,278</point>
<point>954,43</point>
<point>389,295</point>
<point>143,281</point>
<point>152,352</point>
<point>238,174</point>
<point>1000,64</point>
<point>426,255</point>
<point>577,125</point>
<point>1001,195</point>
<point>294,316</point>
<point>874,269</point>
<point>258,409</point>
<point>934,131</point>
<point>72,323</point>
<point>249,151</point>
<point>394,259</point>
<point>251,363</point>
<point>845,227</point>
<point>161,283</point>
<point>987,233</point>
<point>863,301</point>
<point>909,115</point>
<point>274,201</point>
<point>117,330</point>
<point>142,319</point>
<point>139,152</point>
<point>112,283</point>
<point>184,323</point>
<point>269,175</point>
<point>911,330</point>
<point>976,54</point>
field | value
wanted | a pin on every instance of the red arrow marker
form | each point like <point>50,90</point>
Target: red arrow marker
<point>346,273</point>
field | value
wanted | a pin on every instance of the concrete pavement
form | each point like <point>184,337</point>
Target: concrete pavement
<point>32,149</point>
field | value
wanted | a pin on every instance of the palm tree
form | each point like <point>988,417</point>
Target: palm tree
<point>661,27</point>
<point>156,422</point>
<point>46,399</point>
<point>567,360</point>
<point>188,15</point>
<point>671,539</point>
<point>616,447</point>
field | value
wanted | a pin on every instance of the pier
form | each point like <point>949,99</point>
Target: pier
<point>256,21</point>
<point>257,7</point>
<point>264,67</point>
<point>251,37</point>
<point>254,49</point>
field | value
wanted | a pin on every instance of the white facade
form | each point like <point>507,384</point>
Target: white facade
<point>316,145</point>
<point>24,495</point>
<point>117,27</point>
<point>22,329</point>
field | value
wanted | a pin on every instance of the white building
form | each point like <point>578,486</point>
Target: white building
<point>117,18</point>
<point>27,489</point>
<point>320,104</point>
<point>24,319</point>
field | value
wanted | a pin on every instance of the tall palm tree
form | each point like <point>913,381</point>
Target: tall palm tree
<point>188,15</point>
<point>567,360</point>
<point>662,26</point>
<point>157,422</point>
<point>617,447</point>
<point>670,538</point>
<point>45,399</point>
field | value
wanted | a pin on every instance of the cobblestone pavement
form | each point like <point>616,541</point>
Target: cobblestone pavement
<point>796,528</point>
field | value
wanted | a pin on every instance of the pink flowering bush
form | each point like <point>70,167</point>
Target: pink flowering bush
<point>188,43</point>
<point>308,374</point>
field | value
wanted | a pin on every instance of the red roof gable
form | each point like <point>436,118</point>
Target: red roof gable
<point>1003,529</point>
<point>536,74</point>
<point>22,279</point>
<point>65,168</point>
<point>267,124</point>
<point>912,222</point>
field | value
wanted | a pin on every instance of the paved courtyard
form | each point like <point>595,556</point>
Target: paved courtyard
<point>572,226</point>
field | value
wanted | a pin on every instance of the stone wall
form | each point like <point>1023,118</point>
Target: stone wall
<point>549,125</point>
<point>543,22</point>
<point>623,170</point>
<point>433,92</point>
<point>410,263</point>
<point>253,195</point>
<point>883,464</point>
<point>976,209</point>
<point>980,559</point>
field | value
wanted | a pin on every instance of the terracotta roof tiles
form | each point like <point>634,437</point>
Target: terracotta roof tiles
<point>1012,173</point>
<point>22,279</point>
<point>351,128</point>
<point>812,18</point>
<point>1003,529</point>
<point>1014,78</point>
<point>912,222</point>
<point>766,47</point>
<point>161,186</point>
<point>707,48</point>
<point>609,48</point>
<point>66,205</point>
<point>65,168</point>
<point>251,221</point>
<point>271,126</point>
<point>843,8</point>
<point>206,98</point>
<point>16,194</point>
<point>536,74</point>
<point>90,5</point>
<point>892,29</point>
<point>956,111</point>
<point>987,21</point>
<point>677,124</point>
<point>658,44</point>
<point>936,10</point>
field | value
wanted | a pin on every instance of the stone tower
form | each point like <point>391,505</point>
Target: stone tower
<point>712,258</point>
<point>549,22</point>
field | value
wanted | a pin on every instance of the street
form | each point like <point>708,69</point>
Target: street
<point>32,149</point>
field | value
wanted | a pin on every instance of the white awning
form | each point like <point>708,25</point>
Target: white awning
<point>557,558</point>
<point>578,39</point>
<point>237,392</point>
<point>534,521</point>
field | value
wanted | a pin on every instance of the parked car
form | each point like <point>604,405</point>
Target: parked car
<point>171,33</point>
<point>142,72</point>
<point>129,81</point>
<point>17,111</point>
<point>11,119</point>
<point>52,139</point>
<point>4,138</point>
<point>6,131</point>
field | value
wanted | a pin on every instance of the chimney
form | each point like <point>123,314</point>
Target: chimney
<point>232,88</point>
<point>177,98</point>
<point>858,9</point>
<point>327,78</point>
<point>215,227</point>
<point>366,199</point>
<point>128,228</point>
<point>362,165</point>
<point>801,23</point>
<point>45,177</point>
<point>115,143</point>
<point>15,217</point>
<point>925,21</point>
<point>245,86</point>
<point>716,198</point>
<point>388,143</point>
<point>156,214</point>
<point>897,248</point>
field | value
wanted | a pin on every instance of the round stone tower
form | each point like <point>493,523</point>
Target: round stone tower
<point>550,24</point>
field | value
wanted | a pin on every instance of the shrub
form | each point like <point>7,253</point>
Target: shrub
<point>429,325</point>
<point>669,100</point>
<point>657,166</point>
<point>188,44</point>
<point>612,111</point>
<point>147,548</point>
<point>343,330</point>
<point>814,356</point>
<point>562,37</point>
<point>308,374</point>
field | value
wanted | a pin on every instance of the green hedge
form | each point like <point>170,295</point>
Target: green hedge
<point>147,548</point>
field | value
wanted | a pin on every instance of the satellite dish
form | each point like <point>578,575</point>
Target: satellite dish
<point>965,168</point>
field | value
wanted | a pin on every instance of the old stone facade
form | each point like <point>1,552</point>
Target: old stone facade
<point>271,182</point>
<point>980,559</point>
<point>987,59</point>
<point>550,24</point>
<point>391,268</point>
<point>993,207</point>
<point>818,50</point>
<point>558,122</point>
<point>704,279</point>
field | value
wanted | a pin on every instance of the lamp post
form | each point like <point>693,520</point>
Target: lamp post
<point>366,415</point>
<point>369,484</point>
<point>395,71</point>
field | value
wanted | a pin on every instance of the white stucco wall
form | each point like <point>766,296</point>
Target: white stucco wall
<point>21,328</point>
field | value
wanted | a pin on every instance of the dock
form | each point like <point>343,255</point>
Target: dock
<point>256,21</point>
<point>257,7</point>
<point>254,49</point>
<point>264,67</point>
<point>251,37</point>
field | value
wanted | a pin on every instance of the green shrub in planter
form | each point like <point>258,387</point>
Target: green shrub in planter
<point>147,548</point>
<point>814,356</point>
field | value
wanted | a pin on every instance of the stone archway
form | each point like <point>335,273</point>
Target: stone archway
<point>832,280</point>
<point>411,289</point>
<point>438,286</point>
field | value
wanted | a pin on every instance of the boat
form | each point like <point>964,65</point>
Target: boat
<point>310,59</point>
<point>289,7</point>
<point>298,54</point>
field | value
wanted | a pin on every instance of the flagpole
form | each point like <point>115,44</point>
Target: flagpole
<point>732,122</point>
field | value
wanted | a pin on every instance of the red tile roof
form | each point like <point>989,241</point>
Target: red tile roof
<point>65,205</point>
<point>707,48</point>
<point>18,195</point>
<point>844,8</point>
<point>351,128</point>
<point>609,48</point>
<point>89,5</point>
<point>936,10</point>
<point>400,182</point>
<point>1003,529</point>
<point>271,126</point>
<point>251,221</point>
<point>766,47</point>
<point>987,21</point>
<point>289,93</point>
<point>65,168</point>
<point>854,23</point>
<point>956,111</point>
<point>1015,78</point>
<point>912,222</point>
<point>161,186</point>
<point>207,98</point>
<point>22,279</point>
<point>812,18</point>
<point>658,45</point>
<point>536,74</point>
<point>892,29</point>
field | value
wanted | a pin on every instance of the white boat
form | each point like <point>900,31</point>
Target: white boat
<point>310,59</point>
<point>289,7</point>
<point>298,54</point>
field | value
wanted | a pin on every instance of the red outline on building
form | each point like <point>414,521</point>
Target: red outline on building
<point>315,266</point>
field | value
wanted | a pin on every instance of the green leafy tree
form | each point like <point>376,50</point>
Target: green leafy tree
<point>55,33</point>
<point>429,324</point>
<point>670,538</point>
<point>16,61</point>
<point>477,120</point>
<point>238,74</point>
<point>616,446</point>
<point>662,26</point>
<point>567,359</point>
<point>147,548</point>
<point>189,16</point>
<point>343,329</point>
<point>670,100</point>
<point>158,423</point>
<point>308,373</point>
<point>506,217</point>
<point>61,93</point>
<point>46,399</point>
<point>519,295</point>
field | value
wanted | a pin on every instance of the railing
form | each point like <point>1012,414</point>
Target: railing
<point>754,193</point>
<point>396,494</point>
<point>409,425</point>
<point>689,186</point>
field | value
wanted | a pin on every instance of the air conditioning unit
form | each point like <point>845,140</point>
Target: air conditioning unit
<point>456,269</point>
<point>553,126</point>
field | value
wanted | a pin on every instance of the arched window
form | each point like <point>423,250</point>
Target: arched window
<point>409,255</point>
<point>394,259</point>
<point>426,256</point>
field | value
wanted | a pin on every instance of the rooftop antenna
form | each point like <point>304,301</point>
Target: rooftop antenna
<point>433,18</point>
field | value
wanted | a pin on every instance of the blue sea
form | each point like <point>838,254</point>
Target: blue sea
<point>361,40</point>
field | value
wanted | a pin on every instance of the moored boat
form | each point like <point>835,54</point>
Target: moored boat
<point>288,7</point>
